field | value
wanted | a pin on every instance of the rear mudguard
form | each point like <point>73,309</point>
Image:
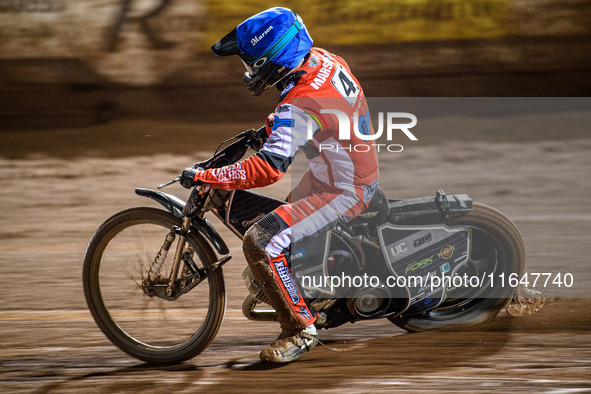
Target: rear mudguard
<point>440,208</point>
<point>175,206</point>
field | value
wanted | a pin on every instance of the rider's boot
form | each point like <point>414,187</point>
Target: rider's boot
<point>298,334</point>
<point>290,346</point>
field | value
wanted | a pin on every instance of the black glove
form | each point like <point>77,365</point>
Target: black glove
<point>188,177</point>
<point>257,138</point>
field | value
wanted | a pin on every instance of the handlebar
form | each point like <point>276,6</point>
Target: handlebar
<point>162,185</point>
<point>252,138</point>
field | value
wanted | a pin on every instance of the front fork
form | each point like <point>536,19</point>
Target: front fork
<point>154,284</point>
<point>154,277</point>
<point>168,288</point>
<point>174,270</point>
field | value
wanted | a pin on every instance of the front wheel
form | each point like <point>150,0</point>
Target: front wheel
<point>497,250</point>
<point>146,326</point>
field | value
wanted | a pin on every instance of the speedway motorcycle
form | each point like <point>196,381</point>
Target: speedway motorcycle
<point>153,277</point>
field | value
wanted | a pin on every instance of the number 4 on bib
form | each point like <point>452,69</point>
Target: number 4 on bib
<point>345,85</point>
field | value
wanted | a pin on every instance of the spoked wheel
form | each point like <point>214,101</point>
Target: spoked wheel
<point>146,326</point>
<point>496,249</point>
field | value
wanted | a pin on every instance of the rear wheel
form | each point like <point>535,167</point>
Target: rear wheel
<point>497,249</point>
<point>147,327</point>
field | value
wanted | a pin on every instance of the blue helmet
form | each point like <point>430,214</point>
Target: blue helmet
<point>271,44</point>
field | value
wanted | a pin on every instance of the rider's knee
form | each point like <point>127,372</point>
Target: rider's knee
<point>254,243</point>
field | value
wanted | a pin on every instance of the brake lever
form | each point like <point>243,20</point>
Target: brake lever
<point>247,133</point>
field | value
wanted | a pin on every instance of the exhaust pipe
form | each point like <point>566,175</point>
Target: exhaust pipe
<point>248,309</point>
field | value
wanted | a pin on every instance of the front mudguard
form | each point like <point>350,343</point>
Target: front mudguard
<point>175,206</point>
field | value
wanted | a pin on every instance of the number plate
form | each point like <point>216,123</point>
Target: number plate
<point>344,83</point>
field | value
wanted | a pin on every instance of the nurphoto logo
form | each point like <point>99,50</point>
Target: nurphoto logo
<point>361,130</point>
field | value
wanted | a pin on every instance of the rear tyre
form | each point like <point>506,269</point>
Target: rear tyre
<point>497,249</point>
<point>147,327</point>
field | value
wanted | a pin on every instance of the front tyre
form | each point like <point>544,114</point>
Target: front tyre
<point>497,249</point>
<point>146,327</point>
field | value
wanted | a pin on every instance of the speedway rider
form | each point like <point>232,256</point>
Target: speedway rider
<point>276,49</point>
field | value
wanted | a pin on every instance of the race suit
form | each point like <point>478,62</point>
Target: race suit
<point>341,179</point>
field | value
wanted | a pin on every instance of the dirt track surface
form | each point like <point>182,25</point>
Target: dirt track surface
<point>55,196</point>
